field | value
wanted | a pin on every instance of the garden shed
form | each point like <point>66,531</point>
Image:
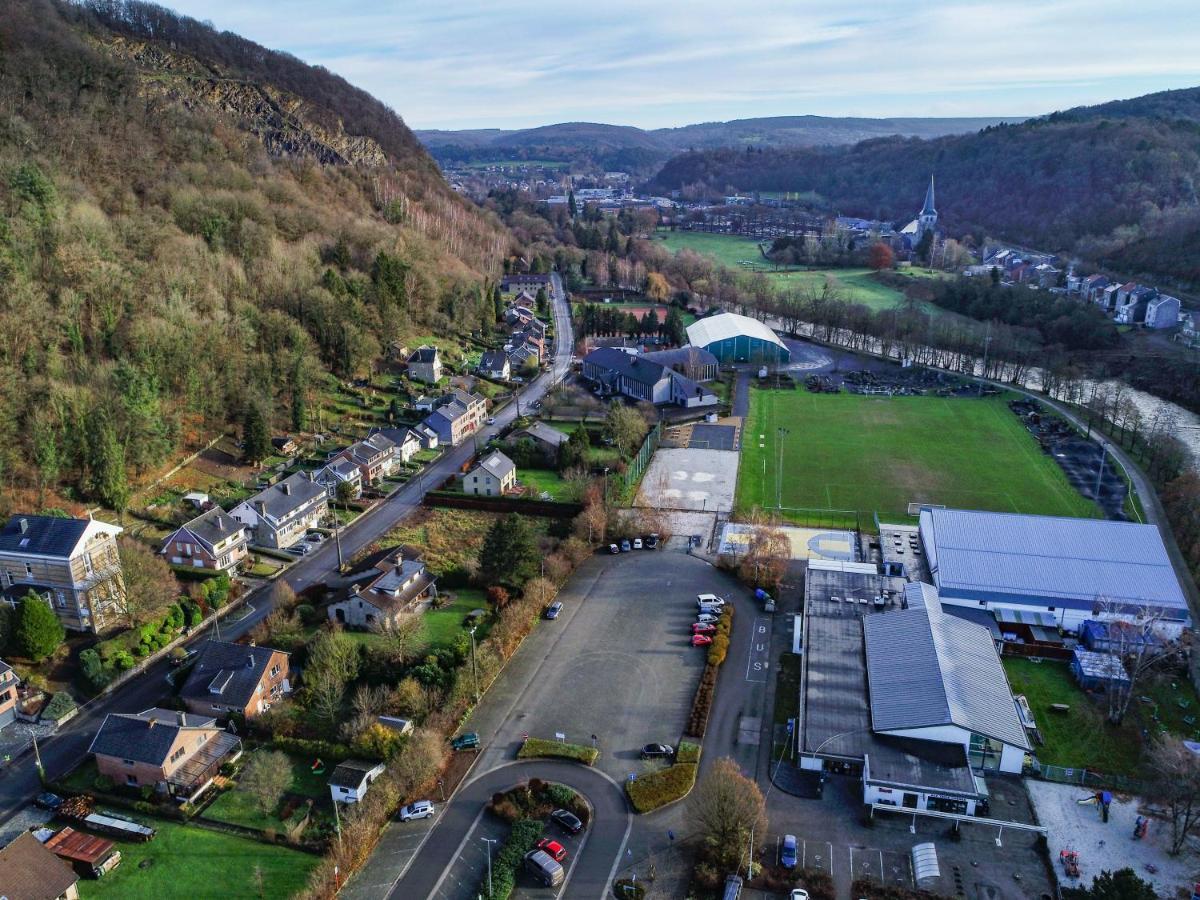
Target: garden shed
<point>1097,671</point>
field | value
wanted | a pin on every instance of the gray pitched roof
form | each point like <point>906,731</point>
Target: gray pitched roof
<point>682,356</point>
<point>351,773</point>
<point>144,737</point>
<point>635,368</point>
<point>925,669</point>
<point>424,354</point>
<point>226,673</point>
<point>493,361</point>
<point>43,535</point>
<point>30,871</point>
<point>542,432</point>
<point>288,495</point>
<point>497,464</point>
<point>212,527</point>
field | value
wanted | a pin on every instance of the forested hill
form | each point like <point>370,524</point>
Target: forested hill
<point>1115,185</point>
<point>194,226</point>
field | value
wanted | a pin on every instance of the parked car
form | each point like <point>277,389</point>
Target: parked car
<point>179,659</point>
<point>787,851</point>
<point>637,543</point>
<point>701,640</point>
<point>707,619</point>
<point>552,611</point>
<point>657,751</point>
<point>567,820</point>
<point>709,600</point>
<point>798,894</point>
<point>300,549</point>
<point>468,741</point>
<point>314,537</point>
<point>625,547</point>
<point>47,800</point>
<point>704,628</point>
<point>553,849</point>
<point>491,420</point>
<point>422,809</point>
<point>652,542</point>
<point>543,868</point>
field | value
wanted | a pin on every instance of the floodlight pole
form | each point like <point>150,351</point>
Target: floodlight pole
<point>780,433</point>
<point>474,670</point>
<point>489,842</point>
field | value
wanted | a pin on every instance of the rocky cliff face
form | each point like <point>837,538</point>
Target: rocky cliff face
<point>287,125</point>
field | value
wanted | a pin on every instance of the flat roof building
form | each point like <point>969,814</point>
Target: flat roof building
<point>1075,569</point>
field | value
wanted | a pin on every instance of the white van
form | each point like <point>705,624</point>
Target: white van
<point>544,868</point>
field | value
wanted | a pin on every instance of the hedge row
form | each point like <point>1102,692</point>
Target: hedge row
<point>665,786</point>
<point>324,750</point>
<point>538,747</point>
<point>717,651</point>
<point>687,752</point>
<point>719,648</point>
<point>507,863</point>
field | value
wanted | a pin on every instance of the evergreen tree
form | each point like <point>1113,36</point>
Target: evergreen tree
<point>542,302</point>
<point>571,207</point>
<point>673,327</point>
<point>510,554</point>
<point>256,439</point>
<point>38,630</point>
<point>106,462</point>
<point>498,303</point>
<point>299,396</point>
<point>575,451</point>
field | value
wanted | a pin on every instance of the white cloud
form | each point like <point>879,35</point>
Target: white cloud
<point>473,64</point>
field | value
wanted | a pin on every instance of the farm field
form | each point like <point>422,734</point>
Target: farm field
<point>853,452</point>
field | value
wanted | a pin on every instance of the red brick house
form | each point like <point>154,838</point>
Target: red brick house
<point>236,678</point>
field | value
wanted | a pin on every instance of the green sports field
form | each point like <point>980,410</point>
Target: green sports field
<point>871,454</point>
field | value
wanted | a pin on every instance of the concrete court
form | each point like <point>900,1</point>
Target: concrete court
<point>806,543</point>
<point>701,480</point>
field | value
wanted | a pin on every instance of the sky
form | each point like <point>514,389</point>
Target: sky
<point>472,64</point>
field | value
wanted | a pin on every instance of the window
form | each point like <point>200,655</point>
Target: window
<point>131,780</point>
<point>28,570</point>
<point>128,762</point>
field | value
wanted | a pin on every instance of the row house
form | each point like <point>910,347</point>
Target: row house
<point>337,472</point>
<point>458,417</point>
<point>235,678</point>
<point>72,564</point>
<point>515,284</point>
<point>375,457</point>
<point>279,516</point>
<point>8,694</point>
<point>214,540</point>
<point>1132,304</point>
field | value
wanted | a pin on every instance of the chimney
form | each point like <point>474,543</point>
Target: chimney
<point>220,522</point>
<point>260,507</point>
<point>182,719</point>
<point>286,488</point>
<point>23,524</point>
<point>151,722</point>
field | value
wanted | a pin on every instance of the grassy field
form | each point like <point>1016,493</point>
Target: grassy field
<point>847,451</point>
<point>544,481</point>
<point>187,861</point>
<point>239,808</point>
<point>442,625</point>
<point>727,249</point>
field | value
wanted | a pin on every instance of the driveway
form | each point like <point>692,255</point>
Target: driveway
<point>19,782</point>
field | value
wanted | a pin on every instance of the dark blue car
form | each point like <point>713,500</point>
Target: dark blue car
<point>787,852</point>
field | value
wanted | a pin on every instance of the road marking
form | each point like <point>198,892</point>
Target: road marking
<point>759,660</point>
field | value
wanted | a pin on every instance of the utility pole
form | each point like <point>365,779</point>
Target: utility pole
<point>38,756</point>
<point>780,433</point>
<point>337,539</point>
<point>987,342</point>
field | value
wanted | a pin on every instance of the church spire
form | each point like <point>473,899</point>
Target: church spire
<point>928,209</point>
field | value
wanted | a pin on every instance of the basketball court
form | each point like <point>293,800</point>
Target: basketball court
<point>806,543</point>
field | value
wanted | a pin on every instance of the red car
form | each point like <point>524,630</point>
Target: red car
<point>704,628</point>
<point>701,640</point>
<point>556,850</point>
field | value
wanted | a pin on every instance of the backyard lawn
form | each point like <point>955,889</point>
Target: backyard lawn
<point>239,808</point>
<point>868,454</point>
<point>442,625</point>
<point>544,481</point>
<point>188,861</point>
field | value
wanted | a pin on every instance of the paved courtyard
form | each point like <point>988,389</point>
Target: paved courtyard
<point>703,480</point>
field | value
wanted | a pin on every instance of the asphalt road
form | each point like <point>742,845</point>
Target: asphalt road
<point>589,868</point>
<point>19,782</point>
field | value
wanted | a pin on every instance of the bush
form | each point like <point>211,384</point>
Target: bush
<point>60,704</point>
<point>102,783</point>
<point>508,861</point>
<point>649,792</point>
<point>538,747</point>
<point>702,702</point>
<point>625,889</point>
<point>95,676</point>
<point>327,751</point>
<point>38,633</point>
<point>308,614</point>
<point>687,752</point>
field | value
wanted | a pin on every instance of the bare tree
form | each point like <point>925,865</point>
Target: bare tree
<point>1175,783</point>
<point>767,555</point>
<point>325,692</point>
<point>1137,638</point>
<point>402,634</point>
<point>265,778</point>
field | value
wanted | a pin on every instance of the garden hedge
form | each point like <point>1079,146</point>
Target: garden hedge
<point>649,792</point>
<point>538,747</point>
<point>506,864</point>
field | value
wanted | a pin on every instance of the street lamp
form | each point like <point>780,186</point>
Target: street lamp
<point>474,670</point>
<point>606,485</point>
<point>489,842</point>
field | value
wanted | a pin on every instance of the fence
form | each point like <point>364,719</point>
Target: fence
<point>1085,778</point>
<point>842,519</point>
<point>638,464</point>
<point>1036,651</point>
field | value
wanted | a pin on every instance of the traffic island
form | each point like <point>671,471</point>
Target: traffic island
<point>535,748</point>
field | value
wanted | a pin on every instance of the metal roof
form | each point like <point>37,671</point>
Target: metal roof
<point>926,669</point>
<point>1072,561</point>
<point>723,326</point>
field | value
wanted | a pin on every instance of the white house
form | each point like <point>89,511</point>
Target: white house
<point>350,780</point>
<point>493,477</point>
<point>1162,312</point>
<point>425,364</point>
<point>339,471</point>
<point>280,515</point>
<point>495,364</point>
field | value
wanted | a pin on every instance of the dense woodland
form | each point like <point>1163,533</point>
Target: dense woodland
<point>162,272</point>
<point>1115,185</point>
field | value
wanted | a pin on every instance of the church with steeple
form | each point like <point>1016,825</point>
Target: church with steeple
<point>925,222</point>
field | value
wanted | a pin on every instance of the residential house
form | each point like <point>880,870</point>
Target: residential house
<point>1162,312</point>
<point>390,590</point>
<point>213,540</point>
<point>519,315</point>
<point>522,357</point>
<point>536,327</point>
<point>425,403</point>
<point>350,780</point>
<point>495,364</point>
<point>1189,334</point>
<point>70,563</point>
<point>280,515</point>
<point>28,871</point>
<point>407,442</point>
<point>616,372</point>
<point>375,457</point>
<point>337,471</point>
<point>1046,275</point>
<point>8,694</point>
<point>1108,297</point>
<point>175,753</point>
<point>528,283</point>
<point>425,364</point>
<point>235,678</point>
<point>459,415</point>
<point>546,440</point>
<point>527,338</point>
<point>427,436</point>
<point>1092,288</point>
<point>1133,310</point>
<point>494,476</point>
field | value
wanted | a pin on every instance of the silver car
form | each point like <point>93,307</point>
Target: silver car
<point>422,809</point>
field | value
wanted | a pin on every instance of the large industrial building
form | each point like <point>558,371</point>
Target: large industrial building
<point>894,689</point>
<point>1073,569</point>
<point>738,339</point>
